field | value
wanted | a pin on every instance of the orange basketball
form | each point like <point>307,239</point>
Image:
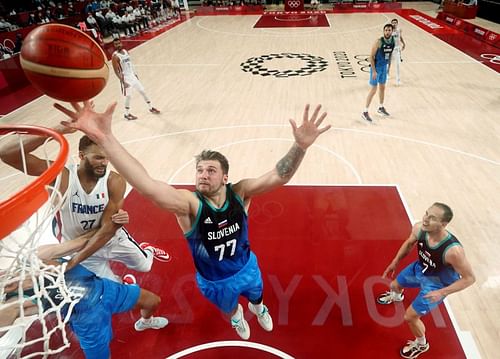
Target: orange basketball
<point>64,63</point>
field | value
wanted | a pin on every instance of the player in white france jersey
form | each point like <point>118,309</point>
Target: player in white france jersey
<point>94,194</point>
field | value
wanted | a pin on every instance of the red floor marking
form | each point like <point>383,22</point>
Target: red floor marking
<point>479,50</point>
<point>321,250</point>
<point>305,19</point>
<point>366,7</point>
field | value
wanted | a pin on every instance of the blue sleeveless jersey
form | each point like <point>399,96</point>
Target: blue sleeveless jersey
<point>383,54</point>
<point>219,237</point>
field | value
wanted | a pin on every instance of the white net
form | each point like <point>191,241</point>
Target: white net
<point>33,294</point>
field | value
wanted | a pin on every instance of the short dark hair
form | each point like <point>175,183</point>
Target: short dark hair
<point>388,25</point>
<point>85,142</point>
<point>448,213</point>
<point>208,155</point>
<point>394,20</point>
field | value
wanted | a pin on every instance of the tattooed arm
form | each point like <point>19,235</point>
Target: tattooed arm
<point>305,135</point>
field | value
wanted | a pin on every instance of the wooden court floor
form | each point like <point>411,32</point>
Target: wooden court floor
<point>441,142</point>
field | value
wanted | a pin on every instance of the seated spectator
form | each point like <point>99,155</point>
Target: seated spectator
<point>103,24</point>
<point>71,10</point>
<point>140,17</point>
<point>314,4</point>
<point>119,25</point>
<point>32,20</point>
<point>59,12</point>
<point>42,18</point>
<point>176,7</point>
<point>48,15</point>
<point>5,25</point>
<point>91,22</point>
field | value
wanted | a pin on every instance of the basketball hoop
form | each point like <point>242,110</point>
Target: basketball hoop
<point>26,218</point>
<point>19,207</point>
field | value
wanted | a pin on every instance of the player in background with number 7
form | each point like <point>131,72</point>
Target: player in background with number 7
<point>441,269</point>
<point>213,218</point>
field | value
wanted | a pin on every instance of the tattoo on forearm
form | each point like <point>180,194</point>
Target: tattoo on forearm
<point>288,165</point>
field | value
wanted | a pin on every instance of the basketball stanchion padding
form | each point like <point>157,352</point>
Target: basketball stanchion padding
<point>64,63</point>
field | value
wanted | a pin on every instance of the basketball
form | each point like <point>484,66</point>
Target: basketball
<point>64,63</point>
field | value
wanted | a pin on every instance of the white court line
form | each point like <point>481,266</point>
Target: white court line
<point>173,65</point>
<point>464,337</point>
<point>473,61</point>
<point>266,31</point>
<point>366,132</point>
<point>342,159</point>
<point>231,343</point>
<point>402,138</point>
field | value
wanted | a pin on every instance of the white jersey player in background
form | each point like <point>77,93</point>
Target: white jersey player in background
<point>124,70</point>
<point>94,195</point>
<point>397,34</point>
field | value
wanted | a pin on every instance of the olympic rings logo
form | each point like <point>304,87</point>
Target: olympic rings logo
<point>266,212</point>
<point>493,58</point>
<point>309,65</point>
<point>293,3</point>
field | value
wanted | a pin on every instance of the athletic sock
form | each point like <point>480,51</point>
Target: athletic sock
<point>258,307</point>
<point>421,340</point>
<point>237,316</point>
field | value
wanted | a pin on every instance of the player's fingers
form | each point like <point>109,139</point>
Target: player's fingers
<point>324,129</point>
<point>320,119</point>
<point>305,117</point>
<point>294,124</point>
<point>111,108</point>
<point>315,113</point>
<point>76,106</point>
<point>69,124</point>
<point>64,110</point>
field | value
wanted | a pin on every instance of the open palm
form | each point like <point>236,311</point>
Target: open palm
<point>309,130</point>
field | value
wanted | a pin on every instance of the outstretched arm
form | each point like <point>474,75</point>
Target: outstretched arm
<point>98,127</point>
<point>47,252</point>
<point>403,251</point>
<point>305,135</point>
<point>11,152</point>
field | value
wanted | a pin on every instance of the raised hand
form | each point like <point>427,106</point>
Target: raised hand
<point>309,130</point>
<point>84,118</point>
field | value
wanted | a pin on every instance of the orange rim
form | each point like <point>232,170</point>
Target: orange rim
<point>16,209</point>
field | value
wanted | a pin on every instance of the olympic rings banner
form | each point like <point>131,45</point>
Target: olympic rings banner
<point>294,5</point>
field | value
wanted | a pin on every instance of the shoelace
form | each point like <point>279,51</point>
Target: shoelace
<point>237,324</point>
